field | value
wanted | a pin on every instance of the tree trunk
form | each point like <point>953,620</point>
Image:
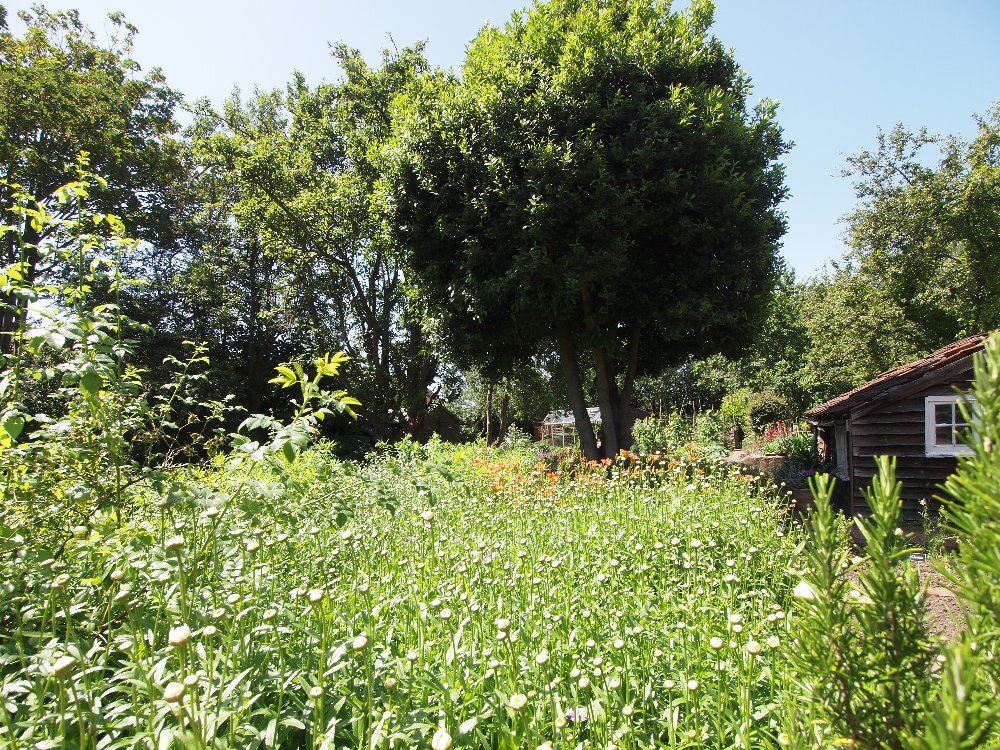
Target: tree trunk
<point>606,400</point>
<point>489,413</point>
<point>504,415</point>
<point>571,371</point>
<point>625,397</point>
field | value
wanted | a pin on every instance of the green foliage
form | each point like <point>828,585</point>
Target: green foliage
<point>248,607</point>
<point>766,408</point>
<point>288,244</point>
<point>923,265</point>
<point>710,428</point>
<point>971,510</point>
<point>861,650</point>
<point>313,406</point>
<point>928,234</point>
<point>63,93</point>
<point>652,435</point>
<point>855,332</point>
<point>524,198</point>
<point>735,407</point>
<point>797,444</point>
<point>107,436</point>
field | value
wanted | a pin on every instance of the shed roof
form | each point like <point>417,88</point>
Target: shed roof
<point>891,383</point>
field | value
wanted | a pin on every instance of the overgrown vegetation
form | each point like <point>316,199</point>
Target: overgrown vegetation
<point>178,572</point>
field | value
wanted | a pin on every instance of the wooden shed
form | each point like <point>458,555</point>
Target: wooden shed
<point>909,412</point>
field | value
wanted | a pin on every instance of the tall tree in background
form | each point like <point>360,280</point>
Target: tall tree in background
<point>930,233</point>
<point>303,180</point>
<point>595,182</point>
<point>63,93</point>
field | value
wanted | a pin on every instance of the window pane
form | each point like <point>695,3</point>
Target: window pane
<point>942,414</point>
<point>943,434</point>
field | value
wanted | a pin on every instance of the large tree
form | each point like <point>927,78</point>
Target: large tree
<point>298,210</point>
<point>63,92</point>
<point>929,233</point>
<point>595,182</point>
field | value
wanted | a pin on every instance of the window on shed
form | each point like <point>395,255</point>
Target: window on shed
<point>944,425</point>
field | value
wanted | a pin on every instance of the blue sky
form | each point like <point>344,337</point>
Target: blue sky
<point>839,68</point>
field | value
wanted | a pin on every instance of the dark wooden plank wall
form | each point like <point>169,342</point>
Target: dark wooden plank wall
<point>898,430</point>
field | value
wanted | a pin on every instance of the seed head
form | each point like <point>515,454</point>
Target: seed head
<point>518,701</point>
<point>208,631</point>
<point>441,740</point>
<point>191,680</point>
<point>360,643</point>
<point>174,543</point>
<point>753,647</point>
<point>316,595</point>
<point>692,685</point>
<point>542,658</point>
<point>64,666</point>
<point>773,642</point>
<point>316,691</point>
<point>804,591</point>
<point>179,636</point>
<point>173,692</point>
<point>503,624</point>
<point>715,643</point>
<point>60,581</point>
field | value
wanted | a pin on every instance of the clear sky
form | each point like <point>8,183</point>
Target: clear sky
<point>839,68</point>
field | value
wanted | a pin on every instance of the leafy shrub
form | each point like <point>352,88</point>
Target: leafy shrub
<point>735,407</point>
<point>653,435</point>
<point>971,510</point>
<point>710,428</point>
<point>792,444</point>
<point>768,407</point>
<point>517,439</point>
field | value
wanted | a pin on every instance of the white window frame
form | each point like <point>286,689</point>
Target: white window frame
<point>931,445</point>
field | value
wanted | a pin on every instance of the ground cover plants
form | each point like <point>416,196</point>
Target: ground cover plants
<point>617,606</point>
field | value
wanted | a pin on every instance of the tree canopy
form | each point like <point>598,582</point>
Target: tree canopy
<point>594,182</point>
<point>930,233</point>
<point>62,94</point>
